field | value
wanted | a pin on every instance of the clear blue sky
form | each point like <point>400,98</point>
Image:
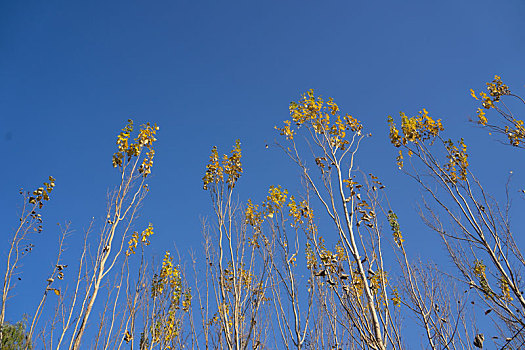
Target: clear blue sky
<point>208,72</point>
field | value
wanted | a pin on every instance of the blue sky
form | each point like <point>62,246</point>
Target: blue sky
<point>209,72</point>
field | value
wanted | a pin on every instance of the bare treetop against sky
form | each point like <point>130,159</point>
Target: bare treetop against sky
<point>208,73</point>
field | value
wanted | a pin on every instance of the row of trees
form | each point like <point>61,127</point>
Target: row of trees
<point>326,268</point>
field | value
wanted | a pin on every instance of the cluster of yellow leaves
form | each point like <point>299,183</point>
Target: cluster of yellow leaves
<point>127,336</point>
<point>479,269</point>
<point>340,252</point>
<point>165,332</point>
<point>253,218</point>
<point>482,119</point>
<point>245,277</point>
<point>167,326</point>
<point>273,204</point>
<point>168,282</point>
<point>186,300</point>
<point>214,171</point>
<point>322,163</point>
<point>274,201</point>
<point>37,199</point>
<point>299,211</point>
<point>414,129</point>
<point>229,165</point>
<point>479,272</point>
<point>145,139</point>
<point>358,285</point>
<point>286,130</point>
<point>396,299</point>
<point>496,89</point>
<point>224,311</point>
<point>123,144</point>
<point>516,134</point>
<point>337,130</point>
<point>457,158</point>
<point>354,187</point>
<point>377,281</point>
<point>317,114</point>
<point>147,163</point>
<point>421,128</point>
<point>487,102</point>
<point>232,165</point>
<point>505,288</point>
<point>311,258</point>
<point>324,254</point>
<point>41,194</point>
<point>400,160</point>
<point>169,276</point>
<point>135,238</point>
<point>394,225</point>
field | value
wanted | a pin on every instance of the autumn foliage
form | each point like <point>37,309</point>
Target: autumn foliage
<point>328,267</point>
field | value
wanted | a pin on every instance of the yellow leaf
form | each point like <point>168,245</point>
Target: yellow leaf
<point>57,292</point>
<point>473,94</point>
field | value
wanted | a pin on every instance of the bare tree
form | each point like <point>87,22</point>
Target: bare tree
<point>20,245</point>
<point>73,307</point>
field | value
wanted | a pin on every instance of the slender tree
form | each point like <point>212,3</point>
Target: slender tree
<point>479,237</point>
